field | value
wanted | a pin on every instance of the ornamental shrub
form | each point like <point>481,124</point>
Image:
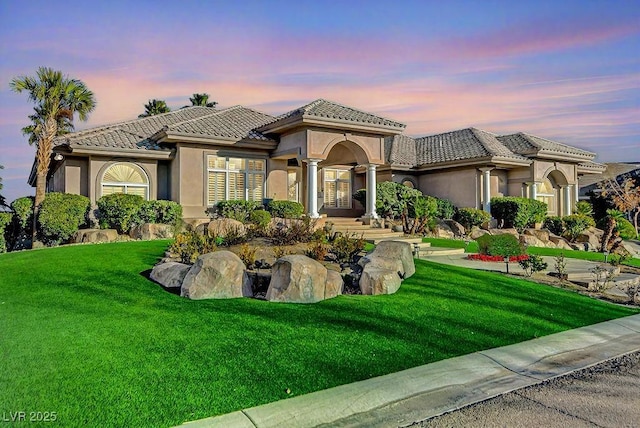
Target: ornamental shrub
<point>285,209</point>
<point>346,247</point>
<point>188,246</point>
<point>518,212</point>
<point>532,264</point>
<point>5,219</point>
<point>575,224</point>
<point>584,208</point>
<point>500,245</point>
<point>554,224</point>
<point>625,229</point>
<point>470,217</point>
<point>237,209</point>
<point>119,211</point>
<point>61,215</point>
<point>260,218</point>
<point>446,209</point>
<point>23,212</point>
<point>164,212</point>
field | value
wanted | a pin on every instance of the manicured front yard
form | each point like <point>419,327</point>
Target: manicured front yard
<point>471,247</point>
<point>85,334</point>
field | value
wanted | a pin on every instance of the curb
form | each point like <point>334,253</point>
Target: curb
<point>413,395</point>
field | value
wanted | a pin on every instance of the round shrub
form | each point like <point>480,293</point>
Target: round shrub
<point>285,209</point>
<point>625,229</point>
<point>500,245</point>
<point>61,215</point>
<point>237,209</point>
<point>446,209</point>
<point>119,211</point>
<point>164,212</point>
<point>260,218</point>
<point>470,217</point>
<point>575,224</point>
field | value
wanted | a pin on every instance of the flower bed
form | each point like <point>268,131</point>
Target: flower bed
<point>488,258</point>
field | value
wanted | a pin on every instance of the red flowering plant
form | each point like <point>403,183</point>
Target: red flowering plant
<point>488,258</point>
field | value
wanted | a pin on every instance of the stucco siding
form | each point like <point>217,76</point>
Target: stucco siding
<point>459,186</point>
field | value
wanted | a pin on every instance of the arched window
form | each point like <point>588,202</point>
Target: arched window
<point>547,194</point>
<point>125,178</point>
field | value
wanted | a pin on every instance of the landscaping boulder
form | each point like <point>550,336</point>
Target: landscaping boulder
<point>559,242</point>
<point>300,279</point>
<point>509,231</point>
<point>376,281</point>
<point>149,231</point>
<point>217,275</point>
<point>225,226</point>
<point>531,241</point>
<point>457,229</point>
<point>191,224</point>
<point>95,235</point>
<point>590,238</point>
<point>170,274</point>
<point>202,228</point>
<point>392,252</point>
<point>541,234</point>
<point>442,230</point>
<point>476,232</point>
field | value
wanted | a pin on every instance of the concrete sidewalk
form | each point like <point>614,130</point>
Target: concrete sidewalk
<point>403,398</point>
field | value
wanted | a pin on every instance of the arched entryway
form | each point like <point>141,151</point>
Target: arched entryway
<point>555,191</point>
<point>345,166</point>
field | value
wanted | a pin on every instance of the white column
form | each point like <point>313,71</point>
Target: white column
<point>371,192</point>
<point>486,189</point>
<point>576,193</point>
<point>312,188</point>
<point>533,190</point>
<point>568,206</point>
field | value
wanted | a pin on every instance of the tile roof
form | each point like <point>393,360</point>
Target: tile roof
<point>321,108</point>
<point>400,150</point>
<point>470,143</point>
<point>233,122</point>
<point>522,143</point>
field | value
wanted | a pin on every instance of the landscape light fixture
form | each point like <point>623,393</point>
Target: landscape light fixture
<point>606,255</point>
<point>506,262</point>
<point>416,250</point>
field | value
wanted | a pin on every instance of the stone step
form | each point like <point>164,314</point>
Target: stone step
<point>440,251</point>
<point>352,227</point>
<point>623,281</point>
<point>375,238</point>
<point>407,239</point>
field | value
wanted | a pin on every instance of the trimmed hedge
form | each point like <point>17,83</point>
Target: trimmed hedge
<point>23,211</point>
<point>260,218</point>
<point>285,209</point>
<point>518,212</point>
<point>237,209</point>
<point>554,224</point>
<point>625,229</point>
<point>446,209</point>
<point>61,215</point>
<point>470,217</point>
<point>119,211</point>
<point>164,212</point>
<point>500,245</point>
<point>5,219</point>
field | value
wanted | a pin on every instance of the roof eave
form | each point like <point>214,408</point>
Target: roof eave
<point>494,160</point>
<point>326,122</point>
<point>551,154</point>
<point>177,137</point>
<point>109,151</point>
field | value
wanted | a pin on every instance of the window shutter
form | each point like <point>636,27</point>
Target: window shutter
<point>216,187</point>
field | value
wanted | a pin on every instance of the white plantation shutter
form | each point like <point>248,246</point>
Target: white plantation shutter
<point>125,177</point>
<point>235,178</point>
<point>216,187</point>
<point>236,185</point>
<point>256,187</point>
<point>337,188</point>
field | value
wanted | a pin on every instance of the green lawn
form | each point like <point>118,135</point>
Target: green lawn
<point>452,243</point>
<point>85,334</point>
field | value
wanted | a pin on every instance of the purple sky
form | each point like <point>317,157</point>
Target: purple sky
<point>565,70</point>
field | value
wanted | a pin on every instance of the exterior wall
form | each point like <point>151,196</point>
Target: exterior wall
<point>460,186</point>
<point>517,179</point>
<point>542,168</point>
<point>71,176</point>
<point>276,186</point>
<point>98,165</point>
<point>294,141</point>
<point>367,147</point>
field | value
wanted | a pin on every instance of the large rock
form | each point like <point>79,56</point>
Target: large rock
<point>455,227</point>
<point>531,241</point>
<point>224,226</point>
<point>509,231</point>
<point>148,231</point>
<point>559,242</point>
<point>476,232</point>
<point>541,234</point>
<point>590,239</point>
<point>300,279</point>
<point>387,254</point>
<point>217,275</point>
<point>170,274</point>
<point>442,230</point>
<point>376,280</point>
<point>95,235</point>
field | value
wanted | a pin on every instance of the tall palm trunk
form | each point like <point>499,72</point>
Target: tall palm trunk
<point>43,156</point>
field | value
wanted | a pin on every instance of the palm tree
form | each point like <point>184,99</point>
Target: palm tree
<point>57,99</point>
<point>202,100</point>
<point>2,200</point>
<point>154,107</point>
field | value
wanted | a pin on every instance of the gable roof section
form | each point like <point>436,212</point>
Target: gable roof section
<point>526,144</point>
<point>464,144</point>
<point>326,112</point>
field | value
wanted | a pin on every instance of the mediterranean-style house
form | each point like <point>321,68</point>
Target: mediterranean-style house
<point>318,154</point>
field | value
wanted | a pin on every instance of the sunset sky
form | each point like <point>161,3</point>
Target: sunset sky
<point>564,70</point>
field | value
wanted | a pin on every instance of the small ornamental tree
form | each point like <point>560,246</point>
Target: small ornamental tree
<point>625,197</point>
